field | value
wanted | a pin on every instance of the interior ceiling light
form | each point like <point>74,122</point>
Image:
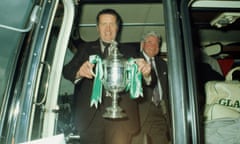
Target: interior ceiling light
<point>225,19</point>
<point>215,3</point>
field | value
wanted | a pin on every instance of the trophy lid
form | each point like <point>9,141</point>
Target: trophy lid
<point>114,55</point>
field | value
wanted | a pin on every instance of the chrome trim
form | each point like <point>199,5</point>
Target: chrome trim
<point>46,85</point>
<point>33,19</point>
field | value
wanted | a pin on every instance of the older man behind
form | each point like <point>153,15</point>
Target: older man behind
<point>154,112</point>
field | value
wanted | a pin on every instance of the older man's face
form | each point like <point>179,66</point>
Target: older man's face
<point>107,27</point>
<point>151,46</point>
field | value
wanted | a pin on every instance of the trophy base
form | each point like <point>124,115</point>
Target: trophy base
<point>114,113</point>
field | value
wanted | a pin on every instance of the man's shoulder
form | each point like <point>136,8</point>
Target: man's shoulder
<point>159,58</point>
<point>161,62</point>
<point>89,43</point>
<point>129,49</point>
<point>87,46</point>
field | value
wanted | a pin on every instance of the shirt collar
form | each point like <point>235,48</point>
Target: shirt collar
<point>103,44</point>
<point>147,57</point>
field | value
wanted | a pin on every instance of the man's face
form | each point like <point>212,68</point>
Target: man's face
<point>107,27</point>
<point>151,46</point>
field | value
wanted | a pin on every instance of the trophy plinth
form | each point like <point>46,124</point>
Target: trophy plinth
<point>114,81</point>
<point>114,111</point>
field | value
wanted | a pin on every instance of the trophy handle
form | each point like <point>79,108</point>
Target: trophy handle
<point>129,72</point>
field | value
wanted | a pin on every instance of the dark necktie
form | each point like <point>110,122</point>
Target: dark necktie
<point>157,88</point>
<point>106,49</point>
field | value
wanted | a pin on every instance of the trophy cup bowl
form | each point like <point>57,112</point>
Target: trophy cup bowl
<point>114,81</point>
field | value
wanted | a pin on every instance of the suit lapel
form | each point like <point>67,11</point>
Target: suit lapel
<point>160,69</point>
<point>94,48</point>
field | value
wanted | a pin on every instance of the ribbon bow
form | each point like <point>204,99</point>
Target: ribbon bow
<point>96,96</point>
<point>135,80</point>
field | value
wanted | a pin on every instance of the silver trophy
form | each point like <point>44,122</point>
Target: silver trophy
<point>114,80</point>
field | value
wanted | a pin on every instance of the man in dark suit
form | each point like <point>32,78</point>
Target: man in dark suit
<point>153,107</point>
<point>93,128</point>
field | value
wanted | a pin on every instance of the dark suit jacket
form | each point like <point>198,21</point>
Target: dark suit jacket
<point>83,89</point>
<point>158,118</point>
<point>161,67</point>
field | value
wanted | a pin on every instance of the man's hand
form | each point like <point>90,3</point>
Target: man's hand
<point>86,70</point>
<point>143,67</point>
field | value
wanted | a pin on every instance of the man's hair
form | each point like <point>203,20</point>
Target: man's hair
<point>111,12</point>
<point>152,33</point>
